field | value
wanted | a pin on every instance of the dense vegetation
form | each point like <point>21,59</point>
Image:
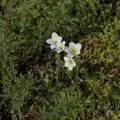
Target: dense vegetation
<point>33,81</point>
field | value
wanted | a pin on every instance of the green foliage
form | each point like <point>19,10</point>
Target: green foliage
<point>66,105</point>
<point>97,17</point>
<point>33,78</point>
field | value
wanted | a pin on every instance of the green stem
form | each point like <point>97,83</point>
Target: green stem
<point>58,66</point>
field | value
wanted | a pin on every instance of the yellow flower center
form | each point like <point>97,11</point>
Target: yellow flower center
<point>70,61</point>
<point>61,47</point>
<point>73,51</point>
<point>55,42</point>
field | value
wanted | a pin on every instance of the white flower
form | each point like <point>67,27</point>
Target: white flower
<point>73,49</point>
<point>69,63</point>
<point>54,41</point>
<point>60,46</point>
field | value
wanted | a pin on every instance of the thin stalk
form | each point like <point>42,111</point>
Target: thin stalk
<point>58,66</point>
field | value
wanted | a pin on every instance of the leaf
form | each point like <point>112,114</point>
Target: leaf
<point>34,13</point>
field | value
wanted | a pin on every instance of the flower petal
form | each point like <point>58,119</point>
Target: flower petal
<point>70,55</point>
<point>78,52</point>
<point>66,64</point>
<point>66,58</point>
<point>52,46</point>
<point>63,43</point>
<point>60,38</point>
<point>71,44</point>
<point>58,44</point>
<point>67,50</point>
<point>54,36</point>
<point>70,68</point>
<point>74,64</point>
<point>49,41</point>
<point>78,46</point>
